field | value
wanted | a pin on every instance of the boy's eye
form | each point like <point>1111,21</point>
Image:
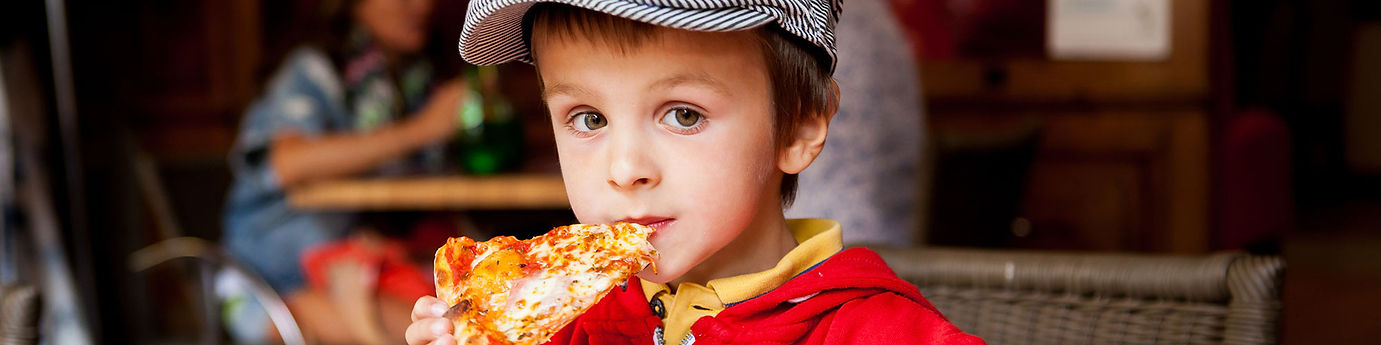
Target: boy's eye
<point>589,121</point>
<point>682,117</point>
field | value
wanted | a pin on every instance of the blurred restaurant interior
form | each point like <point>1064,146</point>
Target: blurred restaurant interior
<point>1050,126</point>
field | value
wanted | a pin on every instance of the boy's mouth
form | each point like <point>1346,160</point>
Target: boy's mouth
<point>657,223</point>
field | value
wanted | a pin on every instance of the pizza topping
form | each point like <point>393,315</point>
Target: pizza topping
<point>496,271</point>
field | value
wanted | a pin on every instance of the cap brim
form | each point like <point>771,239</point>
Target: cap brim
<point>500,23</point>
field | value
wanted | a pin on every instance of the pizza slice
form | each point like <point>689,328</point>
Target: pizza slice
<point>506,291</point>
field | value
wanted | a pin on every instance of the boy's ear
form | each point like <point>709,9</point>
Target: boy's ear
<point>810,135</point>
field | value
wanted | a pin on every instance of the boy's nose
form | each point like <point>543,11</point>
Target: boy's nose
<point>630,164</point>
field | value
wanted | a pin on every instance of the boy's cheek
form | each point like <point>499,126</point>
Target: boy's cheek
<point>585,210</point>
<point>589,203</point>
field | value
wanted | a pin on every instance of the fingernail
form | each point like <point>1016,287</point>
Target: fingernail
<point>438,309</point>
<point>439,327</point>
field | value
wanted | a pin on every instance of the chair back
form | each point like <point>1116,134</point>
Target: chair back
<point>1029,297</point>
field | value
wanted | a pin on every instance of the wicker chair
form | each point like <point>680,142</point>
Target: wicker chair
<point>1017,297</point>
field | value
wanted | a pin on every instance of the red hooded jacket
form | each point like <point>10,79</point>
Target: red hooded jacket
<point>850,298</point>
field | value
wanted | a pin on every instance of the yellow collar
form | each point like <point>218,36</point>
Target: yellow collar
<point>817,239</point>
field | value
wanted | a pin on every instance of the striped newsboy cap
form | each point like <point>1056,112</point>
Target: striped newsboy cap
<point>493,32</point>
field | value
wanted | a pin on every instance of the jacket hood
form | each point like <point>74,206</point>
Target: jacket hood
<point>851,274</point>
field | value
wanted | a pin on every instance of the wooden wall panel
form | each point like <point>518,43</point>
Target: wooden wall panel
<point>1122,157</point>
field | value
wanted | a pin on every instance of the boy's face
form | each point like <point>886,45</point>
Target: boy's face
<point>674,132</point>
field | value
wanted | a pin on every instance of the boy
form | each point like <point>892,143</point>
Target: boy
<point>695,118</point>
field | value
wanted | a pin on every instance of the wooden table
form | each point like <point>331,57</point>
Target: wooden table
<point>521,191</point>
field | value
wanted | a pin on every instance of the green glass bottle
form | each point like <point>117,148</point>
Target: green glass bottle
<point>490,137</point>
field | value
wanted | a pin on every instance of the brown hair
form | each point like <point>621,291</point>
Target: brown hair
<point>324,24</point>
<point>800,81</point>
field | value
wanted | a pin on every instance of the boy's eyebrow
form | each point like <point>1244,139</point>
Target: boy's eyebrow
<point>701,78</point>
<point>666,83</point>
<point>565,89</point>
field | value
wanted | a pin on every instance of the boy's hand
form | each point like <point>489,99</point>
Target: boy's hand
<point>428,326</point>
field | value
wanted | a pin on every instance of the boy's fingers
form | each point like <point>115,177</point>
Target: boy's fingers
<point>418,334</point>
<point>444,340</point>
<point>428,307</point>
<point>429,331</point>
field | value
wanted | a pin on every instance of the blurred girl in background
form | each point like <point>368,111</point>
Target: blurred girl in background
<point>357,100</point>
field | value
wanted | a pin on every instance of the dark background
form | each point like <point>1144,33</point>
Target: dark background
<point>165,82</point>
